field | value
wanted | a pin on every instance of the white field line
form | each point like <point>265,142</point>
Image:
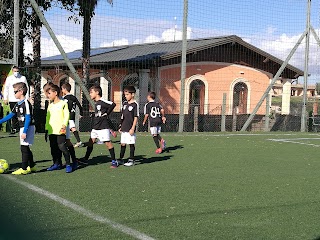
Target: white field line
<point>294,140</point>
<point>87,213</point>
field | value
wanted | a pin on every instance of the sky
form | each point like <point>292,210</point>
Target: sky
<point>273,26</point>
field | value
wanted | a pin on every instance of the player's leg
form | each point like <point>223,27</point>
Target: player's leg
<point>25,154</point>
<point>29,141</point>
<point>160,139</point>
<point>93,136</point>
<point>61,140</point>
<point>131,140</point>
<point>55,153</point>
<point>154,133</point>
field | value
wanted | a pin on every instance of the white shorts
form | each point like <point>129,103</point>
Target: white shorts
<point>72,124</point>
<point>30,136</point>
<point>126,138</point>
<point>103,135</point>
<point>155,130</point>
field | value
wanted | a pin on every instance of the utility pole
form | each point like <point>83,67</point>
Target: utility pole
<point>183,64</point>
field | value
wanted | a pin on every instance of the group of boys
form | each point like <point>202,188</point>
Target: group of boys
<point>60,119</point>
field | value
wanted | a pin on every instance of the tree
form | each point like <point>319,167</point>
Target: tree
<point>6,26</point>
<point>86,10</point>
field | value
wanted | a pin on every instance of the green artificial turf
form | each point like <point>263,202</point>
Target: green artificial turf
<point>206,186</point>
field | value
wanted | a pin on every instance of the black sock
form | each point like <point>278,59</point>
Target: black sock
<point>156,141</point>
<point>111,151</point>
<point>122,151</point>
<point>88,152</point>
<point>132,148</point>
<point>25,156</point>
<point>76,135</point>
<point>31,162</point>
<point>159,137</point>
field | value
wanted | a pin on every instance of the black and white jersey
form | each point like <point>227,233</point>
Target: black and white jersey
<point>72,104</point>
<point>102,109</point>
<point>23,111</point>
<point>129,112</point>
<point>153,109</point>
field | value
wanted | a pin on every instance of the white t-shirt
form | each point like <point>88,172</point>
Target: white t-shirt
<point>8,93</point>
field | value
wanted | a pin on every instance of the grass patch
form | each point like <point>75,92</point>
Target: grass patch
<point>206,186</point>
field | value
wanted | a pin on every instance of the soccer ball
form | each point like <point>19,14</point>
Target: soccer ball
<point>4,166</point>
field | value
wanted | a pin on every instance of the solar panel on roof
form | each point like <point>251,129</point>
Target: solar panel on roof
<point>78,53</point>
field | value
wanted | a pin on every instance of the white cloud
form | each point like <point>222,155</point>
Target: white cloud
<point>152,38</point>
<point>173,34</point>
<point>48,47</point>
<point>119,42</point>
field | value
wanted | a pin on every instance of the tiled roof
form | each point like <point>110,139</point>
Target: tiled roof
<point>159,50</point>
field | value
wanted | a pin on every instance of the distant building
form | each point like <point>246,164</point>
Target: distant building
<point>214,66</point>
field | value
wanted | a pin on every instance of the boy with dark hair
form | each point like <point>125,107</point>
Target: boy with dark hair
<point>129,120</point>
<point>56,122</point>
<point>155,113</point>
<point>100,126</point>
<point>72,104</point>
<point>23,111</point>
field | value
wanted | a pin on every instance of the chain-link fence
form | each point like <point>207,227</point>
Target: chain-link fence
<point>233,51</point>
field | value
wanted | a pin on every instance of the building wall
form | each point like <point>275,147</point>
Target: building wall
<point>220,78</point>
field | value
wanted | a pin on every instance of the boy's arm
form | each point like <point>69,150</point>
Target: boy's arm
<point>145,118</point>
<point>66,115</point>
<point>27,122</point>
<point>146,115</point>
<point>8,117</point>
<point>79,106</point>
<point>163,117</point>
<point>134,124</point>
<point>113,105</point>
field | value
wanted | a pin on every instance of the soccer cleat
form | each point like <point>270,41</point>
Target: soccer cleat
<point>114,164</point>
<point>159,150</point>
<point>54,167</point>
<point>68,169</point>
<point>130,163</point>
<point>20,171</point>
<point>163,144</point>
<point>78,144</point>
<point>33,169</point>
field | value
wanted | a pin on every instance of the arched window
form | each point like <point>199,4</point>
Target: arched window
<point>196,96</point>
<point>240,98</point>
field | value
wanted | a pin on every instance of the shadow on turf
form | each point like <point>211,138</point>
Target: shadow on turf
<point>172,148</point>
<point>143,160</point>
<point>8,136</point>
<point>15,166</point>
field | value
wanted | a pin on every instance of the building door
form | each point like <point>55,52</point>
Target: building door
<point>240,95</point>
